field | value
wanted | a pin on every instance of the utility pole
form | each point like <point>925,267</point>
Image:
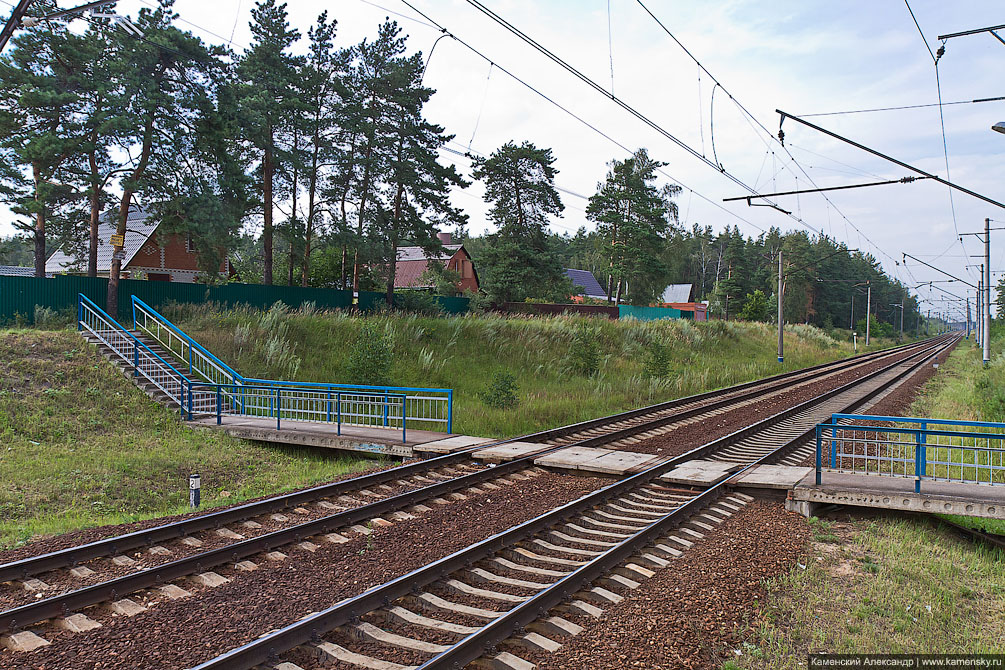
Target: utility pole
<point>928,320</point>
<point>902,302</point>
<point>14,22</point>
<point>968,316</point>
<point>987,291</point>
<point>851,323</point>
<point>781,290</point>
<point>868,311</point>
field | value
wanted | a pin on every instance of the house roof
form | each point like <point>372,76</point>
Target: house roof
<point>677,293</point>
<point>139,227</point>
<point>419,254</point>
<point>585,280</point>
<point>16,271</point>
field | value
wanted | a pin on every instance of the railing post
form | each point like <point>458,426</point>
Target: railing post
<point>450,412</point>
<point>328,407</point>
<point>278,407</point>
<point>136,359</point>
<point>834,432</point>
<point>219,408</point>
<point>189,399</point>
<point>918,468</point>
<point>80,312</point>
<point>819,452</point>
<point>338,407</point>
<point>190,359</point>
<point>923,450</point>
<point>403,399</point>
<point>386,403</point>
<point>135,327</point>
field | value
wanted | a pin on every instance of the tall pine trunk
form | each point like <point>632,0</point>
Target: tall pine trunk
<point>365,188</point>
<point>129,188</point>
<point>39,224</point>
<point>268,172</point>
<point>95,201</point>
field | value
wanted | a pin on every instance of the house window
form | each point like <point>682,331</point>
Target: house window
<point>189,244</point>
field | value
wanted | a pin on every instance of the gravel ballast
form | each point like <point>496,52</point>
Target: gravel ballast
<point>182,633</point>
<point>693,613</point>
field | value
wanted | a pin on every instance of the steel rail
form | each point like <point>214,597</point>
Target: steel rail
<point>267,648</point>
<point>72,556</point>
<point>61,604</point>
<point>503,627</point>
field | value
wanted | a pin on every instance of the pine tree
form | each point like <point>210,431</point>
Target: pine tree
<point>637,218</point>
<point>519,261</point>
<point>168,79</point>
<point>268,73</point>
<point>39,129</point>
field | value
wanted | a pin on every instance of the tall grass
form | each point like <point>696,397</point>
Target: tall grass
<point>465,352</point>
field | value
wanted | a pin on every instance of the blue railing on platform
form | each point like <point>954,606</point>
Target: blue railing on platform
<point>430,406</point>
<point>909,447</point>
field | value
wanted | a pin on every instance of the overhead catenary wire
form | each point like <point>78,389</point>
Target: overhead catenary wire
<point>905,107</point>
<point>575,116</point>
<point>765,130</point>
<point>621,103</point>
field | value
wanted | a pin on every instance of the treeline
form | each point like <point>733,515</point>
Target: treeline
<point>309,162</point>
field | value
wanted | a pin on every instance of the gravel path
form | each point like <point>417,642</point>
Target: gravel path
<point>178,634</point>
<point>693,613</point>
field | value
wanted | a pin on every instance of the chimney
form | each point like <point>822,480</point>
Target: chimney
<point>444,238</point>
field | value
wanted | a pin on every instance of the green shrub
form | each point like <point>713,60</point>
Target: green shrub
<point>501,392</point>
<point>657,362</point>
<point>418,302</point>
<point>370,358</point>
<point>584,355</point>
<point>47,318</point>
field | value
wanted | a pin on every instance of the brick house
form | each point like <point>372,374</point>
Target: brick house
<point>412,264</point>
<point>149,254</point>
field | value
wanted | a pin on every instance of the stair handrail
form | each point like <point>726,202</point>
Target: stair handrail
<point>184,381</point>
<point>235,377</point>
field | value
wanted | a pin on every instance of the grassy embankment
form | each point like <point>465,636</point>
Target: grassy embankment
<point>897,585</point>
<point>82,446</point>
<point>464,352</point>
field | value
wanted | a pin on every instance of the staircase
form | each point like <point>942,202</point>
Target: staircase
<point>178,372</point>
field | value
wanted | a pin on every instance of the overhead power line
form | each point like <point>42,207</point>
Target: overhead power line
<point>771,137</point>
<point>572,114</point>
<point>903,107</point>
<point>618,101</point>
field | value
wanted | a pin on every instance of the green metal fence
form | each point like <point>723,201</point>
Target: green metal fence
<point>19,296</point>
<point>648,313</point>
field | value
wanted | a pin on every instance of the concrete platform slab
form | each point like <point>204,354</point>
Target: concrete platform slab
<point>573,458</point>
<point>700,473</point>
<point>508,452</point>
<point>771,476</point>
<point>385,441</point>
<point>898,493</point>
<point>452,444</point>
<point>620,462</point>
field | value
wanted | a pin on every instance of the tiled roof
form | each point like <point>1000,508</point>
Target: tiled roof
<point>408,274</point>
<point>139,227</point>
<point>584,279</point>
<point>16,271</point>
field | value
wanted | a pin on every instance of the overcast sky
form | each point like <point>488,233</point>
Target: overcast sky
<point>800,56</point>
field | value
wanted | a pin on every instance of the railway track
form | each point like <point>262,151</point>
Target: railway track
<point>512,588</point>
<point>344,505</point>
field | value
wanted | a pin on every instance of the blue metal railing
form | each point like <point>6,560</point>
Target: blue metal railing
<point>422,405</point>
<point>910,447</point>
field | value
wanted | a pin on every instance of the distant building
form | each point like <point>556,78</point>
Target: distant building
<point>677,293</point>
<point>16,271</point>
<point>410,268</point>
<point>584,279</point>
<point>148,254</point>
